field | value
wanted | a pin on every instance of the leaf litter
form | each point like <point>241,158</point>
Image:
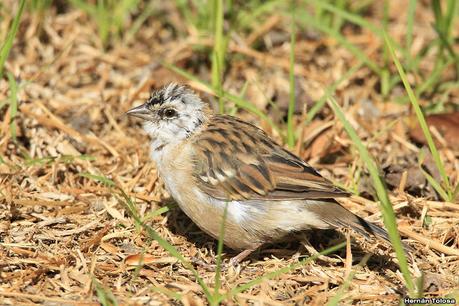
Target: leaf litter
<point>63,229</point>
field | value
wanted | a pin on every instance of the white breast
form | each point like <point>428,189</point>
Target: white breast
<point>172,169</point>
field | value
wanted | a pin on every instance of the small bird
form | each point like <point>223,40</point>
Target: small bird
<point>209,162</point>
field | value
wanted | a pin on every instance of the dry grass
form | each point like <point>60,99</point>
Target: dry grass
<point>61,230</point>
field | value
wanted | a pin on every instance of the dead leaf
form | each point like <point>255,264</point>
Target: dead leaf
<point>138,259</point>
<point>447,126</point>
<point>321,145</point>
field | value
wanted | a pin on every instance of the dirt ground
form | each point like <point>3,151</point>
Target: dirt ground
<point>64,234</point>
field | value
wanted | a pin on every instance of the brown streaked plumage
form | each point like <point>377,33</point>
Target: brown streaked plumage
<point>234,160</point>
<point>211,161</point>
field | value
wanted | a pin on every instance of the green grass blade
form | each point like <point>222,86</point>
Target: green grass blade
<point>410,23</point>
<point>434,77</point>
<point>438,188</point>
<point>329,91</point>
<point>385,205</point>
<point>169,293</point>
<point>309,20</point>
<point>421,119</point>
<point>147,217</point>
<point>104,21</point>
<point>442,26</point>
<point>104,295</point>
<point>291,104</point>
<point>409,35</point>
<point>221,236</point>
<point>456,192</point>
<point>40,6</point>
<point>445,43</point>
<point>241,95</point>
<point>111,16</point>
<point>443,194</point>
<point>450,14</point>
<point>420,283</point>
<point>149,10</point>
<point>337,19</point>
<point>385,74</point>
<point>100,178</point>
<point>218,54</point>
<point>85,7</point>
<point>437,13</point>
<point>183,7</point>
<point>247,18</point>
<point>120,10</point>
<point>13,104</point>
<point>356,19</point>
<point>6,47</point>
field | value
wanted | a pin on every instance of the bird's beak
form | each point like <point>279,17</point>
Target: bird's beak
<point>140,111</point>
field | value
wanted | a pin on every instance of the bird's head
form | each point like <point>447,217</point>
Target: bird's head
<point>171,114</point>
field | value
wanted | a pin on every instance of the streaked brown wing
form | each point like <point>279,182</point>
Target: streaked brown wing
<point>235,160</point>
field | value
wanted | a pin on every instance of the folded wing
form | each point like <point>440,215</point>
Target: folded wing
<point>235,160</point>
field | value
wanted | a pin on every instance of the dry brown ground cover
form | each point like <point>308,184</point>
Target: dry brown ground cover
<point>64,234</point>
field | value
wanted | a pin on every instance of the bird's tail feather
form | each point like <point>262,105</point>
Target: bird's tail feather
<point>340,217</point>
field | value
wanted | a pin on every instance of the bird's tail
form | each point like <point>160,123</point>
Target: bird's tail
<point>337,216</point>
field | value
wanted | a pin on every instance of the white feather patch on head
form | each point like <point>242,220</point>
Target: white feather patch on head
<point>190,116</point>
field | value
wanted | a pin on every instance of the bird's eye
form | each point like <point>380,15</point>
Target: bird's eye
<point>170,113</point>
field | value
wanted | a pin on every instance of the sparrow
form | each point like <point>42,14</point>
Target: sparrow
<point>211,163</point>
